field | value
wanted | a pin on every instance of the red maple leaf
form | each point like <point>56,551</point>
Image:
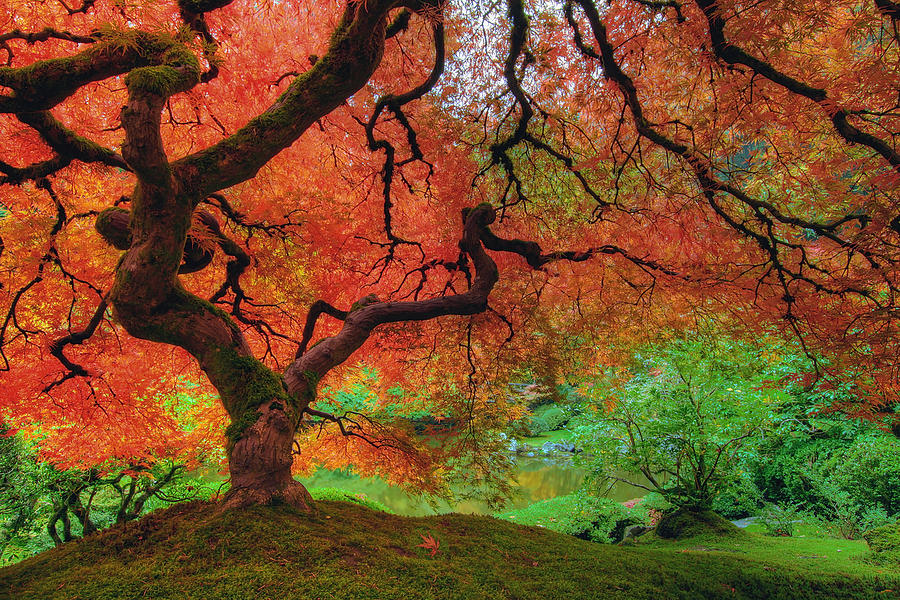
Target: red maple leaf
<point>429,543</point>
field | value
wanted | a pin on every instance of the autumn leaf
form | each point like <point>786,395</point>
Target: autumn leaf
<point>429,543</point>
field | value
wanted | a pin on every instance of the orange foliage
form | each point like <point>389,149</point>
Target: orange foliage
<point>769,215</point>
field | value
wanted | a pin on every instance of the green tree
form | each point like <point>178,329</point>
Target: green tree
<point>679,419</point>
<point>42,506</point>
<point>842,472</point>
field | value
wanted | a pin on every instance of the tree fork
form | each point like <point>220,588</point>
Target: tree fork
<point>266,409</point>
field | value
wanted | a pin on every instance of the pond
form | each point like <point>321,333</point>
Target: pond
<point>535,479</point>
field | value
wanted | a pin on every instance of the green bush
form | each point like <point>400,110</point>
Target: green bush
<point>741,499</point>
<point>883,539</point>
<point>553,416</point>
<point>779,520</point>
<point>656,501</point>
<point>605,520</point>
<point>836,509</point>
<point>594,519</point>
<point>869,471</point>
<point>884,543</point>
<point>544,418</point>
<point>845,474</point>
<point>535,426</point>
<point>850,520</point>
<point>37,500</point>
<point>331,493</point>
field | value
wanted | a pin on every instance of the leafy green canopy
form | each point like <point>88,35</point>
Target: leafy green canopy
<point>680,417</point>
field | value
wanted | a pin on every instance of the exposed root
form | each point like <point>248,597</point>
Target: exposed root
<point>293,494</point>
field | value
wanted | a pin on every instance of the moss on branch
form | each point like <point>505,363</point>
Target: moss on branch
<point>112,225</point>
<point>246,384</point>
<point>161,80</point>
<point>45,83</point>
<point>179,70</point>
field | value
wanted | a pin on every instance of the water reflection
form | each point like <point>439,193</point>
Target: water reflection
<point>535,479</point>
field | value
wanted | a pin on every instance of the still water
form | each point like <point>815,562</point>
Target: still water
<point>534,479</point>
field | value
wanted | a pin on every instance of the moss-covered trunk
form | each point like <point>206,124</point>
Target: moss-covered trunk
<point>260,462</point>
<point>264,418</point>
<point>150,302</point>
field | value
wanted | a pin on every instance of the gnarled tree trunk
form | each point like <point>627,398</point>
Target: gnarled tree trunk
<point>265,415</point>
<point>148,299</point>
<point>260,462</point>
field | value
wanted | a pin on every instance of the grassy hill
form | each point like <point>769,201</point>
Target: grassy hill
<point>193,551</point>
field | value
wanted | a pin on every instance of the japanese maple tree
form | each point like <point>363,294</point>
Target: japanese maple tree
<point>449,191</point>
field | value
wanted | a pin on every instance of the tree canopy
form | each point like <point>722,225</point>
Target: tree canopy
<point>254,197</point>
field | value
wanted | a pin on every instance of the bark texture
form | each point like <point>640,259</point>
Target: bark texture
<point>260,462</point>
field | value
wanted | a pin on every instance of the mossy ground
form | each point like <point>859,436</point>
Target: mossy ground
<point>194,551</point>
<point>809,552</point>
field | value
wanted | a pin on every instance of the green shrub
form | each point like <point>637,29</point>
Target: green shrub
<point>869,471</point>
<point>850,521</point>
<point>535,426</point>
<point>739,500</point>
<point>605,520</point>
<point>331,493</point>
<point>544,418</point>
<point>883,539</point>
<point>779,520</point>
<point>839,511</point>
<point>554,416</point>
<point>656,501</point>
<point>36,498</point>
<point>594,519</point>
<point>845,474</point>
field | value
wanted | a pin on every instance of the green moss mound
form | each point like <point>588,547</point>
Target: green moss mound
<point>347,551</point>
<point>883,539</point>
<point>684,523</point>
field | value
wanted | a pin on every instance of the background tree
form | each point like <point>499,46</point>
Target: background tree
<point>673,156</point>
<point>679,420</point>
<point>41,506</point>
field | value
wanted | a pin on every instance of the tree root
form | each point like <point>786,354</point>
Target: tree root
<point>293,494</point>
